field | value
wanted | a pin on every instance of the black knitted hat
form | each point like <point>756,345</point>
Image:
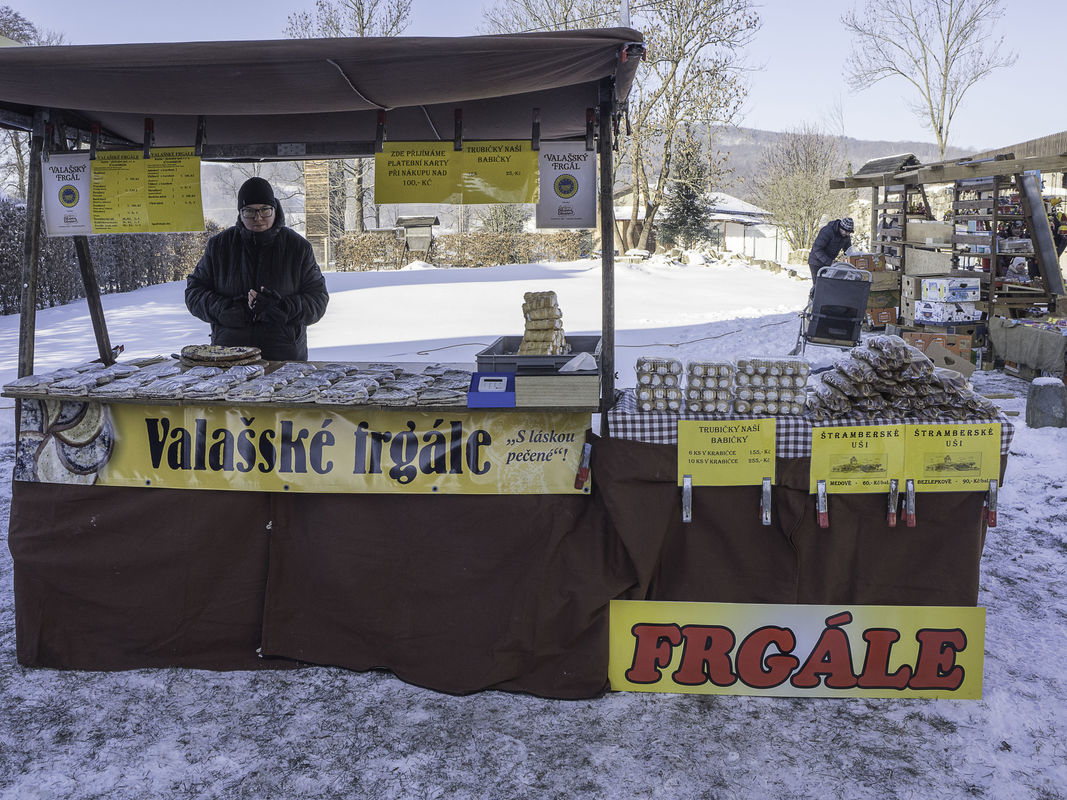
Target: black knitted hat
<point>254,192</point>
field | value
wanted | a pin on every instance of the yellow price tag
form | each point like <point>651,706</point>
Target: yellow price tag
<point>726,452</point>
<point>953,458</point>
<point>858,459</point>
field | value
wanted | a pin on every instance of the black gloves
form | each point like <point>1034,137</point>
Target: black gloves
<point>236,314</point>
<point>268,307</point>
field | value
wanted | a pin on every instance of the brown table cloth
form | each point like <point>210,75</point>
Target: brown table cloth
<point>456,593</point>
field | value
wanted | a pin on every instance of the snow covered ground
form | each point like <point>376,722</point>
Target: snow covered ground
<point>330,733</point>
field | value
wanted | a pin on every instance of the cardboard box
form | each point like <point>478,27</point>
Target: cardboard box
<point>927,311</point>
<point>954,343</point>
<point>911,286</point>
<point>943,358</point>
<point>883,299</point>
<point>952,290</point>
<point>882,316</point>
<point>872,262</point>
<point>888,281</point>
<point>930,232</point>
<point>926,262</point>
<point>907,310</point>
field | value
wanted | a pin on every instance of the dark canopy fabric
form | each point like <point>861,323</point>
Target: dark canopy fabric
<point>324,90</point>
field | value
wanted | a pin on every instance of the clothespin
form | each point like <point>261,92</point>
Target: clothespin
<point>909,502</point>
<point>894,502</point>
<point>765,502</point>
<point>822,510</point>
<point>583,467</point>
<point>379,133</point>
<point>201,134</point>
<point>459,129</point>
<point>535,132</point>
<point>149,136</point>
<point>590,122</point>
<point>990,510</point>
<point>687,498</point>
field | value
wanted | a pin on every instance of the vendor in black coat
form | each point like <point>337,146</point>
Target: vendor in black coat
<point>835,236</point>
<point>258,283</point>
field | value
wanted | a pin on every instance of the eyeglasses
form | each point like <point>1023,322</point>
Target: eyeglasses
<point>252,213</point>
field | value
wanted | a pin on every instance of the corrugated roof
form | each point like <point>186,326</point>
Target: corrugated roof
<point>887,165</point>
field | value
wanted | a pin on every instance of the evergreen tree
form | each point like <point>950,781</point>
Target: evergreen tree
<point>687,219</point>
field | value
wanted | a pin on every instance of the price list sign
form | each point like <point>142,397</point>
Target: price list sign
<point>435,172</point>
<point>133,194</point>
<point>857,459</point>
<point>173,190</point>
<point>953,458</point>
<point>726,452</point>
<point>118,199</point>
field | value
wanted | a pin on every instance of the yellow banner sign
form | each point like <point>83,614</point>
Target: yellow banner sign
<point>726,453</point>
<point>435,172</point>
<point>301,450</point>
<point>857,459</point>
<point>797,650</point>
<point>133,194</point>
<point>953,458</point>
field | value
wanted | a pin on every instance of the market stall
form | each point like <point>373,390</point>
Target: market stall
<point>162,524</point>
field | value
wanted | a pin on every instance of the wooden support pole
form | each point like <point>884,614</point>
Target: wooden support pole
<point>607,255</point>
<point>874,218</point>
<point>31,248</point>
<point>92,297</point>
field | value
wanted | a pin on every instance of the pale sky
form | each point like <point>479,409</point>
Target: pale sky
<point>797,59</point>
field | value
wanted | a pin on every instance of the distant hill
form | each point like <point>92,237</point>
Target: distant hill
<point>745,147</point>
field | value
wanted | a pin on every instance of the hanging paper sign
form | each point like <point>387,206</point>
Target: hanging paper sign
<point>727,452</point>
<point>121,191</point>
<point>132,194</point>
<point>417,172</point>
<point>857,459</point>
<point>119,201</point>
<point>435,172</point>
<point>499,172</point>
<point>65,189</point>
<point>953,458</point>
<point>567,174</point>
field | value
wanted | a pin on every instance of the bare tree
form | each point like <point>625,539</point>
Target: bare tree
<point>520,16</point>
<point>286,178</point>
<point>692,76</point>
<point>357,18</point>
<point>15,145</point>
<point>941,47</point>
<point>792,179</point>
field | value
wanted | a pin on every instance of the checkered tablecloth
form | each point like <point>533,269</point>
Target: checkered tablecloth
<point>792,433</point>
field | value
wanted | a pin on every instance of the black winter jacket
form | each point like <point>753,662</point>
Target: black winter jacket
<point>237,260</point>
<point>828,243</point>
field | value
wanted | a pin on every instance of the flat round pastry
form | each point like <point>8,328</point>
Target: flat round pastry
<point>213,353</point>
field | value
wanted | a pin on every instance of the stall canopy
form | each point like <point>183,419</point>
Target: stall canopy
<point>252,98</point>
<point>295,99</point>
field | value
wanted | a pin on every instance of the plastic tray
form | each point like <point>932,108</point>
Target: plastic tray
<point>502,356</point>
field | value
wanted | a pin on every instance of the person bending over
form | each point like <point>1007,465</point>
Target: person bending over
<point>835,236</point>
